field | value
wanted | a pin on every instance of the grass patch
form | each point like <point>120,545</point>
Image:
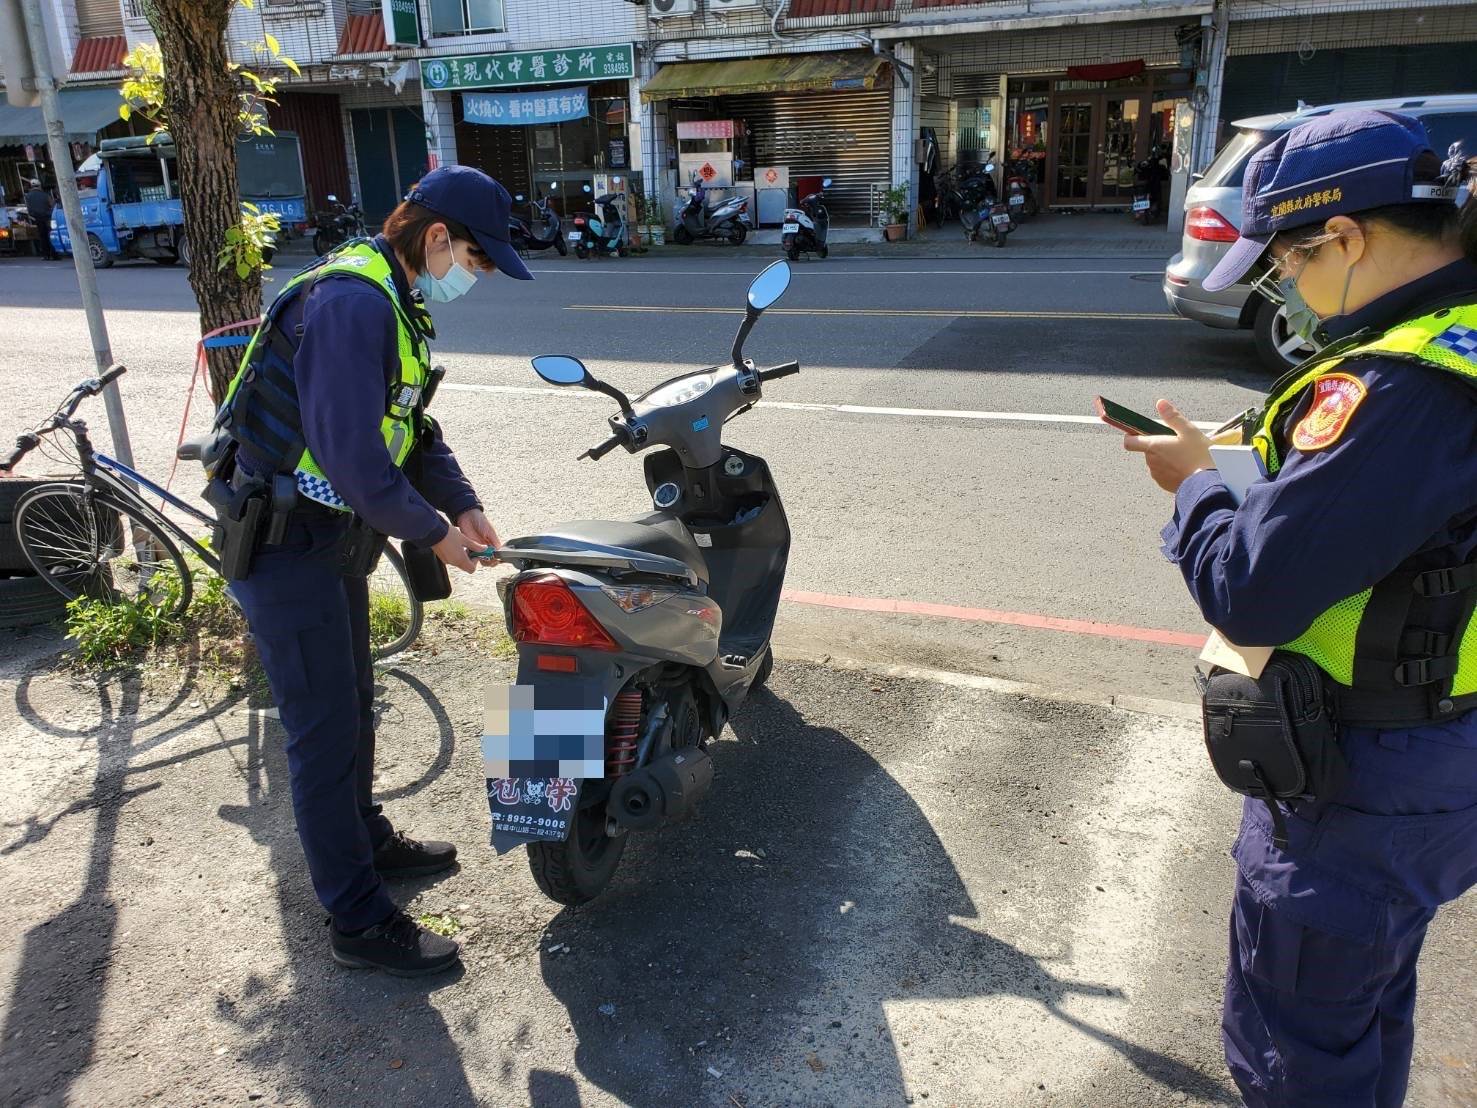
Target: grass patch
<point>388,617</point>
<point>443,924</point>
<point>453,620</point>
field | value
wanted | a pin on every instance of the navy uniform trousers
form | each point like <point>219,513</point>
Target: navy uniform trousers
<point>311,628</point>
<point>1321,984</point>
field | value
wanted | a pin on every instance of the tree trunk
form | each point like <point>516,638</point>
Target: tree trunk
<point>203,105</point>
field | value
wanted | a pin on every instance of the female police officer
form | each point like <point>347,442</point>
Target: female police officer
<point>329,401</point>
<point>1359,552</point>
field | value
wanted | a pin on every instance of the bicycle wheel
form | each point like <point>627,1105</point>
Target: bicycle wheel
<point>395,614</point>
<point>90,544</point>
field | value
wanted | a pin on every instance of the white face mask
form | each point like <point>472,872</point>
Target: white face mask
<point>457,282</point>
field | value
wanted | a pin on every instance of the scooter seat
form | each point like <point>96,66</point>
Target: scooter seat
<point>656,533</point>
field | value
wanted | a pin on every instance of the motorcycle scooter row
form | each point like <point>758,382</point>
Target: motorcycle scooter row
<point>658,625</point>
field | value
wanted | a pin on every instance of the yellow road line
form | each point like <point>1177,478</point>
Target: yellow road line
<point>931,313</point>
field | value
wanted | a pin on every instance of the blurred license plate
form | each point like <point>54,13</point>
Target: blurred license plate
<point>1001,220</point>
<point>1017,199</point>
<point>575,236</point>
<point>1141,204</point>
<point>791,228</point>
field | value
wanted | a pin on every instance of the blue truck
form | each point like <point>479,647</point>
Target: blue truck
<point>130,196</point>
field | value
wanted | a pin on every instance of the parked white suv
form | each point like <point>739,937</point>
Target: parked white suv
<point>1213,214</point>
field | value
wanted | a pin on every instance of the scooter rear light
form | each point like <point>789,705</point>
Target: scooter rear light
<point>546,611</point>
<point>1208,225</point>
<point>579,221</point>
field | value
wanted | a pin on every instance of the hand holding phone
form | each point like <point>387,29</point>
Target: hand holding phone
<point>1128,420</point>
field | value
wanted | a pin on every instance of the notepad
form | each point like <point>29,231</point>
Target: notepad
<point>1240,467</point>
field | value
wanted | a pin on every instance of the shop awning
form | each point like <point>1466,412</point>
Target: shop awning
<point>851,69</point>
<point>85,112</point>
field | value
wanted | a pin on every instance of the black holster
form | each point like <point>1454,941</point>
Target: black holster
<point>360,549</point>
<point>428,577</point>
<point>240,515</point>
<point>1274,737</point>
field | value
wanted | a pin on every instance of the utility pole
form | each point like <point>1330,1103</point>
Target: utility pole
<point>66,183</point>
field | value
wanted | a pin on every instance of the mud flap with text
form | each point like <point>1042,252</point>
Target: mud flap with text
<point>531,809</point>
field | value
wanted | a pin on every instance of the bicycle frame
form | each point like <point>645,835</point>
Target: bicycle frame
<point>124,482</point>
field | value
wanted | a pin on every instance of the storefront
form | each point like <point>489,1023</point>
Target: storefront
<point>88,114</point>
<point>797,119</point>
<point>543,122</point>
<point>1077,137</point>
<point>1073,108</point>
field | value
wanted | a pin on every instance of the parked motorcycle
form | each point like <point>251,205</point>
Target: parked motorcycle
<point>807,227</point>
<point>662,623</point>
<point>985,213</point>
<point>337,225</point>
<point>522,235</point>
<point>604,230</point>
<point>1149,176</point>
<point>1019,192</point>
<point>728,219</point>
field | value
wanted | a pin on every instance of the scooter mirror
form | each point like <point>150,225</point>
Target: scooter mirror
<point>588,188</point>
<point>769,286</point>
<point>560,369</point>
<point>519,197</point>
<point>990,168</point>
<point>333,198</point>
<point>825,182</point>
<point>554,186</point>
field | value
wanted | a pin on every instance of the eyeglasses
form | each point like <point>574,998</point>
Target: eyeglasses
<point>1283,268</point>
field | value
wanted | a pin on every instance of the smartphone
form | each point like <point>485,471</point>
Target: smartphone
<point>1126,419</point>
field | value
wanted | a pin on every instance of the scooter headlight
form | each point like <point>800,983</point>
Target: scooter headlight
<point>636,598</point>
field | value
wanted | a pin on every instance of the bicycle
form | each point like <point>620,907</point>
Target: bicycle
<point>72,531</point>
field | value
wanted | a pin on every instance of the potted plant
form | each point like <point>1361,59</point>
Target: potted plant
<point>653,230</point>
<point>895,207</point>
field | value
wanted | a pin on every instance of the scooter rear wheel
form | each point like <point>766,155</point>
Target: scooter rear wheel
<point>681,235</point>
<point>582,251</point>
<point>577,870</point>
<point>737,234</point>
<point>559,246</point>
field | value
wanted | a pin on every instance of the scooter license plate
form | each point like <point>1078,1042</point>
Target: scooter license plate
<point>1017,200</point>
<point>1141,204</point>
<point>790,229</point>
<point>575,236</point>
<point>1001,220</point>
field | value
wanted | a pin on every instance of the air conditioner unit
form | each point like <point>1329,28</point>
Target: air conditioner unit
<point>733,5</point>
<point>661,9</point>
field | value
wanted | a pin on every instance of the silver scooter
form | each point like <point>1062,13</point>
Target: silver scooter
<point>727,219</point>
<point>660,624</point>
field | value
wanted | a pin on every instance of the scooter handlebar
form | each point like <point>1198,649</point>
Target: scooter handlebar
<point>786,370</point>
<point>595,453</point>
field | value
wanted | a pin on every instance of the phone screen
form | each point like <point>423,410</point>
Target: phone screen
<point>1126,419</point>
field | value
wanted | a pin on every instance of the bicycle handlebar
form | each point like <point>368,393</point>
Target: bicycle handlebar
<point>90,387</point>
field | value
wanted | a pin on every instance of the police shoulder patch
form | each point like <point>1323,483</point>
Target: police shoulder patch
<point>1335,399</point>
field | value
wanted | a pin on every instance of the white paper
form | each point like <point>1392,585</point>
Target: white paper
<point>1239,466</point>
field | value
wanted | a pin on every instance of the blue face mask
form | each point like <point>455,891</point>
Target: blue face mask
<point>457,282</point>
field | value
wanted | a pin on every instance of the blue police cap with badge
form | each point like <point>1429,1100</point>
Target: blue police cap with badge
<point>479,204</point>
<point>1338,164</point>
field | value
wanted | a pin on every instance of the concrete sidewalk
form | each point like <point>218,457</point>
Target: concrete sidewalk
<point>902,889</point>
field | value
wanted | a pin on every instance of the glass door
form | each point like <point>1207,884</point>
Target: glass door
<point>1072,150</point>
<point>1123,119</point>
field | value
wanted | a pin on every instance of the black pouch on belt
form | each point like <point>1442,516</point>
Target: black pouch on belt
<point>428,577</point>
<point>360,549</point>
<point>1274,737</point>
<point>240,516</point>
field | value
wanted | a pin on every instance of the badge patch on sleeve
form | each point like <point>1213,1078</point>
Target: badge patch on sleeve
<point>1335,398</point>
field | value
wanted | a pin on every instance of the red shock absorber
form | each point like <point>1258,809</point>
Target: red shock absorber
<point>621,725</point>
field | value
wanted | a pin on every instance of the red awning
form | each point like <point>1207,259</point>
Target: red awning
<point>363,34</point>
<point>1108,71</point>
<point>99,54</point>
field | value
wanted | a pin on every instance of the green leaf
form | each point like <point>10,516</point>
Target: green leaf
<point>273,45</point>
<point>124,111</point>
<point>243,270</point>
<point>292,65</point>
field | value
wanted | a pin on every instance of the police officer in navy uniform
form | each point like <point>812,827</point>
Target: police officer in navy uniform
<point>331,398</point>
<point>1359,551</point>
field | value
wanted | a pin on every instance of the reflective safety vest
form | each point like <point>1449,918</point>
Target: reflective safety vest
<point>1367,641</point>
<point>261,406</point>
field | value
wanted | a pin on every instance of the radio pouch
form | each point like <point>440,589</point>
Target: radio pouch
<point>428,577</point>
<point>1273,737</point>
<point>360,549</point>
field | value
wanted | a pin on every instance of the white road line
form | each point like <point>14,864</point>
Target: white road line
<point>839,409</point>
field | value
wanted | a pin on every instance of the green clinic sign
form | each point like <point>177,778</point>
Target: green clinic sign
<point>402,22</point>
<point>537,67</point>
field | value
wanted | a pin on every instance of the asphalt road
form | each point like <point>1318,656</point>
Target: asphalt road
<point>935,500</point>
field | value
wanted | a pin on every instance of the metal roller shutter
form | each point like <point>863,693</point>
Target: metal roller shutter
<point>844,135</point>
<point>1405,25</point>
<point>99,17</point>
<point>1052,49</point>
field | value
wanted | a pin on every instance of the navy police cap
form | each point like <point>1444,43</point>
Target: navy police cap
<point>478,203</point>
<point>1338,164</point>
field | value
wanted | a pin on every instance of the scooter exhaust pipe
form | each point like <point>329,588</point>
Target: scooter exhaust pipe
<point>668,788</point>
